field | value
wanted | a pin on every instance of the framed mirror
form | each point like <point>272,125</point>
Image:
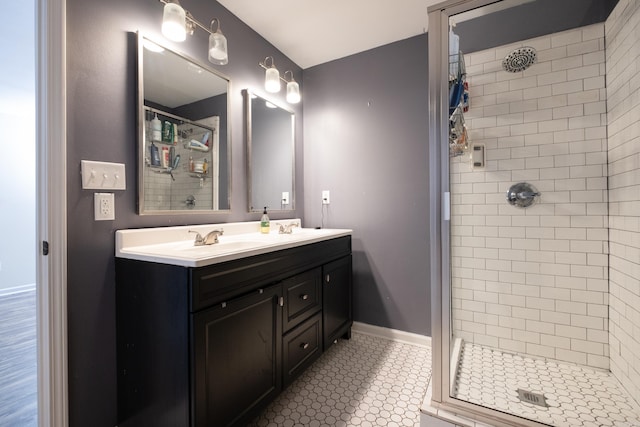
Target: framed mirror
<point>270,139</point>
<point>184,153</point>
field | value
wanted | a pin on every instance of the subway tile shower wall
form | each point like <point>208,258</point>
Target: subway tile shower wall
<point>623,92</point>
<point>535,280</point>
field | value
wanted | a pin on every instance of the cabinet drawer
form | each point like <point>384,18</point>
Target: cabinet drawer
<point>301,347</point>
<point>302,297</point>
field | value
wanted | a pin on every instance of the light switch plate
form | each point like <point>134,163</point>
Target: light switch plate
<point>102,175</point>
<point>285,197</point>
<point>104,207</point>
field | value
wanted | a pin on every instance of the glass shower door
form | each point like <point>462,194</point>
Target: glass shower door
<point>528,236</point>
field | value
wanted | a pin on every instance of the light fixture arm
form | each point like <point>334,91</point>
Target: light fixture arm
<point>264,65</point>
<point>191,21</point>
<point>285,76</point>
<point>217,22</point>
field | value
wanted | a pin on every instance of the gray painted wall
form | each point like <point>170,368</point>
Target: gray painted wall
<point>365,140</point>
<point>101,91</point>
<point>530,20</point>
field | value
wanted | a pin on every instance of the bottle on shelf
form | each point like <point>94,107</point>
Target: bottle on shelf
<point>156,128</point>
<point>191,164</point>
<point>154,155</point>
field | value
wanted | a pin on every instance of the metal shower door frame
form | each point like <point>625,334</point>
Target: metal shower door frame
<point>439,221</point>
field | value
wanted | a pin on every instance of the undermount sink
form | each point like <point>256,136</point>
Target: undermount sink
<point>218,248</point>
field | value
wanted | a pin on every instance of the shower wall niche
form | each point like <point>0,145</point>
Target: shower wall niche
<point>534,281</point>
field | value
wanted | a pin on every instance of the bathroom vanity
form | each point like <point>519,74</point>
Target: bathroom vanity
<point>210,335</point>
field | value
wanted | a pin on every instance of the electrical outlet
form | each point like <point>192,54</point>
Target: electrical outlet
<point>104,207</point>
<point>325,197</point>
<point>285,197</point>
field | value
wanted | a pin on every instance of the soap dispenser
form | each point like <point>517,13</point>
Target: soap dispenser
<point>264,222</point>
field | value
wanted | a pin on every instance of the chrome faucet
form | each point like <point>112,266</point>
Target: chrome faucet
<point>287,229</point>
<point>210,239</point>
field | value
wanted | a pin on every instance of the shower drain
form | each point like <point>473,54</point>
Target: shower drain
<point>533,398</point>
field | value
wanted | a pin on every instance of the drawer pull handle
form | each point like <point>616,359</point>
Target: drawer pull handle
<point>328,278</point>
<point>304,297</point>
<point>304,345</point>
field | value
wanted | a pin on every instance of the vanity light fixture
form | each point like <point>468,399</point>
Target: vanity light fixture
<point>272,81</point>
<point>217,45</point>
<point>177,22</point>
<point>271,76</point>
<point>293,89</point>
<point>174,21</point>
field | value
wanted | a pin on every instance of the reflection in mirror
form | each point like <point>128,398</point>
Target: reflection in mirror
<point>270,153</point>
<point>183,146</point>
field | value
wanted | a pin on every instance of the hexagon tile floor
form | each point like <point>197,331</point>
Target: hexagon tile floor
<point>575,395</point>
<point>366,381</point>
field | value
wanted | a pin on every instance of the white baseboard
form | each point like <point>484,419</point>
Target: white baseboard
<point>392,334</point>
<point>17,289</point>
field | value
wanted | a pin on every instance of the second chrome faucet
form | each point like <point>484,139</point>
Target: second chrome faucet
<point>287,229</point>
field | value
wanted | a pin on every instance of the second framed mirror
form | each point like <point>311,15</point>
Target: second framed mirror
<point>269,132</point>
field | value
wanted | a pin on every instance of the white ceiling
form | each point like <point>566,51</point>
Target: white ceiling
<point>312,32</point>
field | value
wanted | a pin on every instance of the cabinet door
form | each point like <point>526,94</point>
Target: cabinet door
<point>237,358</point>
<point>336,299</point>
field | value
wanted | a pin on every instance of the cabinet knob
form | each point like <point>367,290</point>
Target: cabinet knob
<point>328,278</point>
<point>304,297</point>
<point>304,345</point>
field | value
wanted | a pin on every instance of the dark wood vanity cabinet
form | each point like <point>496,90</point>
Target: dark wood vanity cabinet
<point>212,346</point>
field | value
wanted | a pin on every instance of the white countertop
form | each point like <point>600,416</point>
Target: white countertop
<point>174,245</point>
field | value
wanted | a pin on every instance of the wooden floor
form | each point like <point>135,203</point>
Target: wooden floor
<point>18,359</point>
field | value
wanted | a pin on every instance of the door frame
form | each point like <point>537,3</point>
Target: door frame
<point>51,207</point>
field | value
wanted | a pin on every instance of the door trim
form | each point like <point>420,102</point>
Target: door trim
<point>51,274</point>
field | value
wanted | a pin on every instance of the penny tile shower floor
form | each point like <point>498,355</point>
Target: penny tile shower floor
<point>365,381</point>
<point>575,395</point>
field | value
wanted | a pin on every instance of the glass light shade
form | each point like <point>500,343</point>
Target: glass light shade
<point>174,21</point>
<point>293,92</point>
<point>218,49</point>
<point>272,80</point>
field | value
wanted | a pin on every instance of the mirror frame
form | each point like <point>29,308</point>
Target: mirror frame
<point>248,94</point>
<point>141,130</point>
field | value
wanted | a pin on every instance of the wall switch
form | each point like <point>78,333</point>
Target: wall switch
<point>285,197</point>
<point>104,207</point>
<point>102,175</point>
<point>325,197</point>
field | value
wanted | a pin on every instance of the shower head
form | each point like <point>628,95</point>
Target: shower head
<point>519,60</point>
